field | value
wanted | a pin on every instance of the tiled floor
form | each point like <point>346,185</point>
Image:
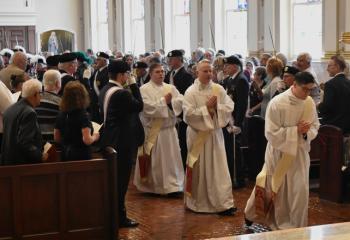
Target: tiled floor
<point>162,217</point>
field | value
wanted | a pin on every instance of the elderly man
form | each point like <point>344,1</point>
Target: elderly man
<point>22,141</point>
<point>237,87</point>
<point>16,67</point>
<point>97,81</point>
<point>207,108</point>
<point>6,101</point>
<point>304,65</point>
<point>68,65</point>
<point>281,195</point>
<point>334,108</point>
<point>142,76</point>
<point>6,54</point>
<point>48,109</point>
<point>120,108</point>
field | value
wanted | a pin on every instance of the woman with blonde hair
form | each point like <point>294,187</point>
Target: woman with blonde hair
<point>274,68</point>
<point>73,127</point>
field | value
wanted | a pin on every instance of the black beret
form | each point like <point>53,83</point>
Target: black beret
<point>233,60</point>
<point>118,66</point>
<point>175,53</point>
<point>290,70</point>
<point>140,65</point>
<point>67,57</point>
<point>102,55</point>
<point>52,60</point>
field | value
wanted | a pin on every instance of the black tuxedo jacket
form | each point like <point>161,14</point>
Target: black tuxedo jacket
<point>182,80</point>
<point>334,109</point>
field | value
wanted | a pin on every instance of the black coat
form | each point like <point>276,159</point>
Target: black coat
<point>22,140</point>
<point>182,80</point>
<point>101,78</point>
<point>123,116</point>
<point>334,109</point>
<point>238,90</point>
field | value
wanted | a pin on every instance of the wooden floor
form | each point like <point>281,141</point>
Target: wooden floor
<point>163,217</point>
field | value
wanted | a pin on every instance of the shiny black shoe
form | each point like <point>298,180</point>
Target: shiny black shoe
<point>228,212</point>
<point>239,185</point>
<point>247,222</point>
<point>128,223</point>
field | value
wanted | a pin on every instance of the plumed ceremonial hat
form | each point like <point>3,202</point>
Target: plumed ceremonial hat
<point>67,57</point>
<point>102,55</point>
<point>118,66</point>
<point>175,53</point>
<point>140,65</point>
<point>52,60</point>
<point>291,70</point>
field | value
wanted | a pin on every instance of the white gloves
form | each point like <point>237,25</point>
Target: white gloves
<point>131,80</point>
<point>87,73</point>
<point>234,129</point>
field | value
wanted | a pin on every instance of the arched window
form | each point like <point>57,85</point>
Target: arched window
<point>231,26</point>
<point>99,25</point>
<point>307,27</point>
<point>177,25</point>
<point>134,26</point>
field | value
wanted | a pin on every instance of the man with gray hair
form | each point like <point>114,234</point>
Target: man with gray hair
<point>50,101</point>
<point>304,65</point>
<point>17,66</point>
<point>22,141</point>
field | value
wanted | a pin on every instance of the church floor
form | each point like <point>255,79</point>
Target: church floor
<point>163,217</point>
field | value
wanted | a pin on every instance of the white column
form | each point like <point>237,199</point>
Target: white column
<point>347,28</point>
<point>195,7</point>
<point>270,23</point>
<point>159,24</point>
<point>87,24</point>
<point>330,26</point>
<point>208,23</point>
<point>253,28</point>
<point>149,26</point>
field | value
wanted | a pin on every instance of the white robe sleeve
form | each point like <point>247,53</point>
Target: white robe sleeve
<point>197,117</point>
<point>315,125</point>
<point>176,101</point>
<point>284,139</point>
<point>224,109</point>
<point>153,108</point>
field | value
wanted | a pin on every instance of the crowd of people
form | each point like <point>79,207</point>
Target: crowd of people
<point>181,120</point>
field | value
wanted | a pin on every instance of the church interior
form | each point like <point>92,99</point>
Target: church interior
<point>175,184</point>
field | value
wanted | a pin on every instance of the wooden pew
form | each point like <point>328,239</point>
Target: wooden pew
<point>63,200</point>
<point>256,145</point>
<point>332,158</point>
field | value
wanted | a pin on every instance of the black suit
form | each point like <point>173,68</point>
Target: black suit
<point>238,90</point>
<point>334,109</point>
<point>122,129</point>
<point>22,140</point>
<point>98,80</point>
<point>64,80</point>
<point>182,80</point>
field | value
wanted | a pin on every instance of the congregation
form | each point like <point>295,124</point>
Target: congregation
<point>182,121</point>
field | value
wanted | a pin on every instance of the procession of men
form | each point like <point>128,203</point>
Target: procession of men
<point>183,131</point>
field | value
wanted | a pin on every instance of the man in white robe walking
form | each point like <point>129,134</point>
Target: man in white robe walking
<point>281,195</point>
<point>207,109</point>
<point>162,103</point>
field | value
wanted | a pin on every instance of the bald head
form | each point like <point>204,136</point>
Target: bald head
<point>19,59</point>
<point>204,71</point>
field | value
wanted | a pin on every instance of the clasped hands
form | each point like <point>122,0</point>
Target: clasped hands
<point>303,127</point>
<point>212,105</point>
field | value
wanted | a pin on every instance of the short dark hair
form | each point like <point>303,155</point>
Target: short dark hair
<point>303,78</point>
